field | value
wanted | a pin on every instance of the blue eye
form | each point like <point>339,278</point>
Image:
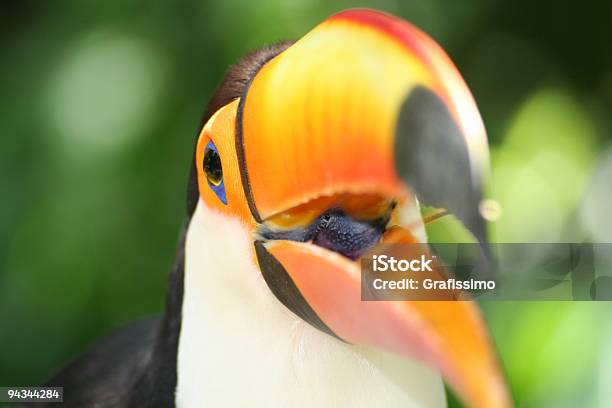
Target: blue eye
<point>214,171</point>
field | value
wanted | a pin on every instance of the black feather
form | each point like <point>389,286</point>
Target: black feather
<point>107,371</point>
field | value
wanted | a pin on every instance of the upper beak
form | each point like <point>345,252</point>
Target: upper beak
<point>367,105</point>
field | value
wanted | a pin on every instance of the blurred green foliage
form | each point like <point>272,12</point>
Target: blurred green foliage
<point>101,103</point>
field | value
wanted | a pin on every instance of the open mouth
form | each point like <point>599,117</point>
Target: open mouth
<point>346,224</point>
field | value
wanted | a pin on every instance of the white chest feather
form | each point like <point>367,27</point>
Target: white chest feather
<point>239,346</point>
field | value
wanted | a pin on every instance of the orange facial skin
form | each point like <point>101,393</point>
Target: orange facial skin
<point>220,128</point>
<point>316,129</point>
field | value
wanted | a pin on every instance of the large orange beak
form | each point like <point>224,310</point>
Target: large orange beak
<point>366,113</point>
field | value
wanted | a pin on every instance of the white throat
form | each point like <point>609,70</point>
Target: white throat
<point>239,346</point>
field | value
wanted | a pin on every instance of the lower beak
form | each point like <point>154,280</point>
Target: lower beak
<point>449,335</point>
<point>358,107</point>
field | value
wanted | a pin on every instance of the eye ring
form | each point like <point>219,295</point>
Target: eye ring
<point>213,171</point>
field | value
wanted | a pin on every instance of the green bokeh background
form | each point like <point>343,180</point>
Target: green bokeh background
<point>101,103</point>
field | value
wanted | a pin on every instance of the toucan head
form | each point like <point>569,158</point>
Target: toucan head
<point>324,151</point>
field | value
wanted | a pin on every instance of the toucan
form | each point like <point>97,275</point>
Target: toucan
<point>311,153</point>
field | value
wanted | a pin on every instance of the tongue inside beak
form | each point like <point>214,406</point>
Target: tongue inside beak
<point>450,335</point>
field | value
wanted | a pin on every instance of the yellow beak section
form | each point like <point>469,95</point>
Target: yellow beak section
<point>324,112</point>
